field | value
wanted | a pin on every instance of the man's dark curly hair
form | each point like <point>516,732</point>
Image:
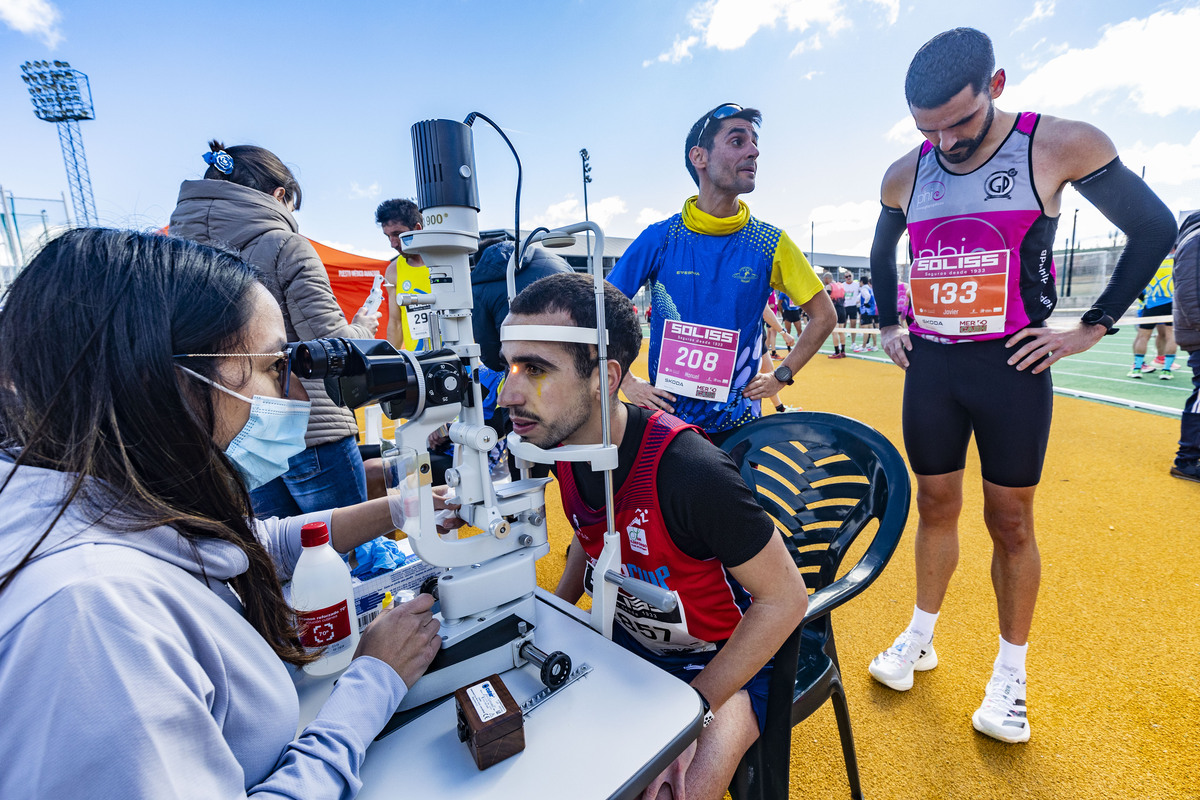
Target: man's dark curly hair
<point>403,211</point>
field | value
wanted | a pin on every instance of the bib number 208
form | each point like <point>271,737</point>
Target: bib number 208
<point>697,359</point>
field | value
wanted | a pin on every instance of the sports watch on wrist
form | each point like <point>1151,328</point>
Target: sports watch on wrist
<point>783,375</point>
<point>1096,316</point>
<point>708,713</point>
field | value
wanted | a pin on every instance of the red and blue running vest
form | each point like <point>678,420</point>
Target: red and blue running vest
<point>982,260</point>
<point>710,601</point>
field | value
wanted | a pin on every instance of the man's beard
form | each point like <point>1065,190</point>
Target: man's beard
<point>552,434</point>
<point>964,150</point>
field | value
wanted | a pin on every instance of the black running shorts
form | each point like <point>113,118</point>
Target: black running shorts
<point>952,390</point>
<point>1162,310</point>
<point>840,309</point>
<point>852,312</point>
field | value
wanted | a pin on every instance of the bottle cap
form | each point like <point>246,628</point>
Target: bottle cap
<point>314,534</point>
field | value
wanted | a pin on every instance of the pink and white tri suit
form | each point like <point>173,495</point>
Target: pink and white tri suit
<point>983,266</point>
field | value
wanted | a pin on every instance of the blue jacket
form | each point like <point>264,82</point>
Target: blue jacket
<point>489,291</point>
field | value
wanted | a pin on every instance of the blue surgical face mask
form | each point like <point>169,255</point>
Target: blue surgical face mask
<point>273,434</point>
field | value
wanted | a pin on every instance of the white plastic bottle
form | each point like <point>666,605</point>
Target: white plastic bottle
<point>323,599</point>
<point>375,298</point>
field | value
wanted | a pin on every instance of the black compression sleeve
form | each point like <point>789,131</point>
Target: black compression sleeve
<point>1149,227</point>
<point>888,231</point>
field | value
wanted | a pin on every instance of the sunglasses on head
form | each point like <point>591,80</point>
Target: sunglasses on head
<point>722,112</point>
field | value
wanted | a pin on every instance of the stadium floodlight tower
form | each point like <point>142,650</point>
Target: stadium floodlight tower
<point>61,94</point>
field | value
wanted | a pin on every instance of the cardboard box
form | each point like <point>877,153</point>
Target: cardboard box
<point>368,594</point>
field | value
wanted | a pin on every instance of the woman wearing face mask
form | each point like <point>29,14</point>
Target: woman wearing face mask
<point>245,203</point>
<point>144,637</point>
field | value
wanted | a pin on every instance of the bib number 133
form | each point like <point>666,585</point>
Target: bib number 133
<point>951,292</point>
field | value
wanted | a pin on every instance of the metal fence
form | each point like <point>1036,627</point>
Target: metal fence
<point>25,225</point>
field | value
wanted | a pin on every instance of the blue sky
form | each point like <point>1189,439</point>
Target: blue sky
<point>333,90</point>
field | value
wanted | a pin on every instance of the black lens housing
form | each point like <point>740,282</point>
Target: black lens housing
<point>358,372</point>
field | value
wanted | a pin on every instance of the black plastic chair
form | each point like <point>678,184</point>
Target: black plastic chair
<point>823,478</point>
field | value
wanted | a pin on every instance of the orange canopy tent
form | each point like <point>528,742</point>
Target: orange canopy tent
<point>351,277</point>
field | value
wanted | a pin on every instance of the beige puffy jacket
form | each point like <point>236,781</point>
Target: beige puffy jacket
<point>265,234</point>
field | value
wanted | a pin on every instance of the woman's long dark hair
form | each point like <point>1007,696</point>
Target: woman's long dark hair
<point>88,388</point>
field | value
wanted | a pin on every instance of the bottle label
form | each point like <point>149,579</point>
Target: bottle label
<point>325,626</point>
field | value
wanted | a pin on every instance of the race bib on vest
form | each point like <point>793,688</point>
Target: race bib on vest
<point>419,318</point>
<point>696,361</point>
<point>960,294</point>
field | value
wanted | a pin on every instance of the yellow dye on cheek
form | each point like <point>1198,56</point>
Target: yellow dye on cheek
<point>538,380</point>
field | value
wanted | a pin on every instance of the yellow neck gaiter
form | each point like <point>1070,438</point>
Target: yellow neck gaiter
<point>701,222</point>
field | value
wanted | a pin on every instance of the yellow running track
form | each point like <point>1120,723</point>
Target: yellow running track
<point>1114,657</point>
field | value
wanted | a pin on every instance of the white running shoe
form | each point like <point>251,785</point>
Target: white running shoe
<point>858,348</point>
<point>1002,715</point>
<point>894,666</point>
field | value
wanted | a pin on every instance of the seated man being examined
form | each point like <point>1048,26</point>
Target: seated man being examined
<point>687,522</point>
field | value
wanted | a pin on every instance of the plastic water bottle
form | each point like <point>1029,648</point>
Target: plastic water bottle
<point>323,599</point>
<point>374,298</point>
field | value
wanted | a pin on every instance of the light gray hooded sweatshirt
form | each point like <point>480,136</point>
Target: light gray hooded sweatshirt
<point>128,671</point>
<point>264,233</point>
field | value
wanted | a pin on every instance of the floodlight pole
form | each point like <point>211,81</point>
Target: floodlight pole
<point>1071,259</point>
<point>63,95</point>
<point>587,178</point>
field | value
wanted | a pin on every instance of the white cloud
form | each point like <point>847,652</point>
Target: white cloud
<point>1041,49</point>
<point>649,216</point>
<point>729,24</point>
<point>811,43</point>
<point>845,217</point>
<point>33,18</point>
<point>366,252</point>
<point>679,51</point>
<point>892,7</point>
<point>1166,163</point>
<point>369,193</point>
<point>1148,60</point>
<point>812,73</point>
<point>570,209</point>
<point>1042,9</point>
<point>905,132</point>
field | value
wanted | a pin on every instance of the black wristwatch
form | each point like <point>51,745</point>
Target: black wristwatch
<point>1096,316</point>
<point>708,714</point>
<point>783,375</point>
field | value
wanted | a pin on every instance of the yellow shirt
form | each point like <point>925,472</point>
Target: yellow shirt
<point>790,271</point>
<point>406,279</point>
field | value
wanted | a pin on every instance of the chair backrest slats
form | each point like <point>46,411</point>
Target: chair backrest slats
<point>821,478</point>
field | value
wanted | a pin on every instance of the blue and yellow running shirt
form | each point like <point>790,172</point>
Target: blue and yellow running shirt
<point>1161,288</point>
<point>715,271</point>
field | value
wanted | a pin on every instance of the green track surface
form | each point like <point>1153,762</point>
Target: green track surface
<point>1099,374</point>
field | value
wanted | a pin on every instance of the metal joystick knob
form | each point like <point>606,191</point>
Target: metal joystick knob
<point>556,666</point>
